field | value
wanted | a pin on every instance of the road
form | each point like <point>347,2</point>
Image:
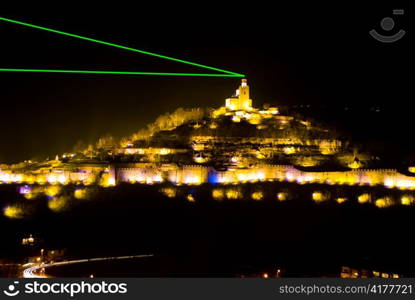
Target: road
<point>33,271</point>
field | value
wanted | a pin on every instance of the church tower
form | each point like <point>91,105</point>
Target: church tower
<point>240,101</point>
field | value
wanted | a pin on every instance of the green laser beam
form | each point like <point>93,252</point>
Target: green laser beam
<point>122,47</point>
<point>119,72</point>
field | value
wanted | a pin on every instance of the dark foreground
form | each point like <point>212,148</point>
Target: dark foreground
<point>215,238</point>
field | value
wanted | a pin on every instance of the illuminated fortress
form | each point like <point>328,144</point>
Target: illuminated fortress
<point>233,144</point>
<point>240,101</point>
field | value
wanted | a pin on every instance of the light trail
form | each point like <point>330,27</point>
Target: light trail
<point>32,272</point>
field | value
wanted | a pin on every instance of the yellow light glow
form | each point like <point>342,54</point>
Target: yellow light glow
<point>192,180</point>
<point>149,180</point>
<point>41,179</point>
<point>341,200</point>
<point>407,200</point>
<point>242,177</point>
<point>389,182</point>
<point>404,184</point>
<point>62,179</point>
<point>158,178</point>
<point>260,175</point>
<point>355,165</point>
<point>301,180</point>
<point>307,161</point>
<point>52,179</point>
<point>191,198</point>
<point>289,150</point>
<point>58,204</point>
<point>3,177</point>
<point>355,275</point>
<point>273,110</point>
<point>257,195</point>
<point>13,212</point>
<point>164,151</point>
<point>29,179</point>
<point>234,159</point>
<point>364,198</point>
<point>282,196</point>
<point>18,178</point>
<point>290,177</point>
<point>254,118</point>
<point>236,119</point>
<point>200,159</point>
<point>198,147</point>
<point>30,196</point>
<point>233,194</point>
<point>309,178</point>
<point>52,190</point>
<point>218,112</point>
<point>105,181</point>
<point>81,193</point>
<point>329,147</point>
<point>218,194</point>
<point>318,196</point>
<point>230,106</point>
<point>169,192</point>
<point>259,155</point>
<point>383,202</point>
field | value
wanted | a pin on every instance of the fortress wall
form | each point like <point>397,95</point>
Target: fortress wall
<point>196,174</point>
<point>143,174</point>
<point>192,174</point>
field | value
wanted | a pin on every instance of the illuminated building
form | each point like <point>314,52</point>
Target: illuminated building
<point>347,272</point>
<point>231,145</point>
<point>240,101</point>
<point>29,240</point>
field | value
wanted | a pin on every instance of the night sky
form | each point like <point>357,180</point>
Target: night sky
<point>290,55</point>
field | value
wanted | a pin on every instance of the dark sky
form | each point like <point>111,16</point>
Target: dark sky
<point>290,55</point>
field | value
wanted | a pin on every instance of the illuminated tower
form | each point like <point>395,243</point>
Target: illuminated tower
<point>240,101</point>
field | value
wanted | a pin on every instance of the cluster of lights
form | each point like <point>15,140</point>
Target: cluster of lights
<point>145,179</point>
<point>387,178</point>
<point>317,196</point>
<point>192,180</point>
<point>28,241</point>
<point>383,202</point>
<point>242,176</point>
<point>169,192</point>
<point>48,178</point>
<point>10,177</point>
<point>231,194</point>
